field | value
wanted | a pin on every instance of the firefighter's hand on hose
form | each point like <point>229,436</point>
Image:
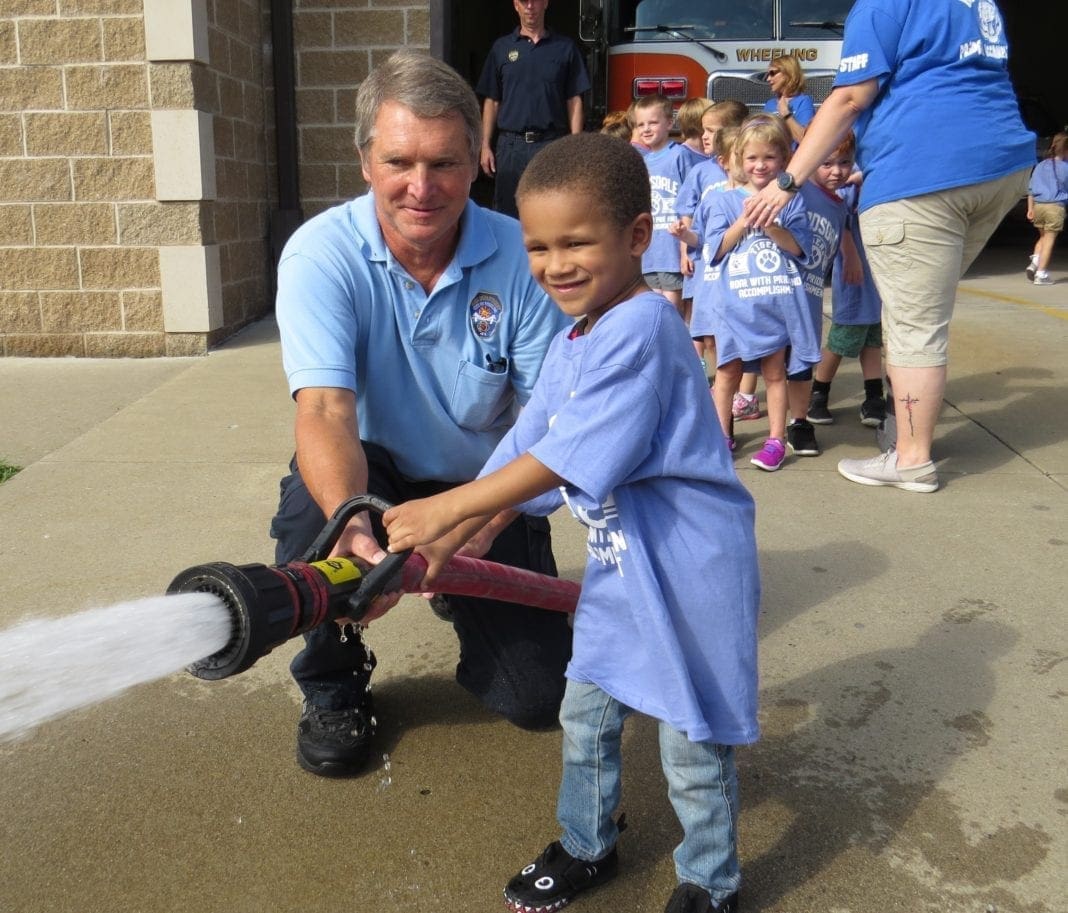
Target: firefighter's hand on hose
<point>357,541</point>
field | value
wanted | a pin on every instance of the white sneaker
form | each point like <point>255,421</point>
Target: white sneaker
<point>1042,278</point>
<point>882,470</point>
<point>1032,267</point>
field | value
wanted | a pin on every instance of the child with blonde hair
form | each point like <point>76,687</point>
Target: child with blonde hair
<point>709,177</point>
<point>668,166</point>
<point>691,113</point>
<point>755,302</point>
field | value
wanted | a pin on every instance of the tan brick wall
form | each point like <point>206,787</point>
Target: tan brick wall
<point>80,227</point>
<point>238,31</point>
<point>337,42</point>
<point>74,149</point>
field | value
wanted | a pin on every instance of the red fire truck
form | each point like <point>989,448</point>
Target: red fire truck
<point>719,49</point>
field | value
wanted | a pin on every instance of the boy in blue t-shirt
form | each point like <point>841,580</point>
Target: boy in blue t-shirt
<point>668,165</point>
<point>620,428</point>
<point>856,309</point>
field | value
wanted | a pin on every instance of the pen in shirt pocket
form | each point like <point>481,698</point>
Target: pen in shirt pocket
<point>496,365</point>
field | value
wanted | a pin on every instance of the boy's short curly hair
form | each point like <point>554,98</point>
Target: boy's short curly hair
<point>605,169</point>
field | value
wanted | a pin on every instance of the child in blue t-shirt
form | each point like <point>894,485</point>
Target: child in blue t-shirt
<point>856,309</point>
<point>719,124</point>
<point>1047,197</point>
<point>620,428</point>
<point>667,164</point>
<point>757,308</point>
<point>827,216</point>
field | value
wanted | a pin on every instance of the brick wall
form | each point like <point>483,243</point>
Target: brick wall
<point>87,228</point>
<point>238,32</point>
<point>336,45</point>
<point>75,165</point>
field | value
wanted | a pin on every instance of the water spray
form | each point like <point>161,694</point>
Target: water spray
<point>270,604</point>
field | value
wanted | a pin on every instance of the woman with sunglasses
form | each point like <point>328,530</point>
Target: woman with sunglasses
<point>788,98</point>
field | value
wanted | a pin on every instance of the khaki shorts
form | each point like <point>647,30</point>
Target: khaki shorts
<point>1049,217</point>
<point>919,248</point>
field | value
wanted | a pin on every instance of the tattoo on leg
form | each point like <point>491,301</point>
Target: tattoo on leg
<point>909,401</point>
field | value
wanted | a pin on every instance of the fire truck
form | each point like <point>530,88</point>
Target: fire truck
<point>719,49</point>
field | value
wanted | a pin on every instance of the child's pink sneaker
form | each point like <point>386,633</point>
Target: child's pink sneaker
<point>771,455</point>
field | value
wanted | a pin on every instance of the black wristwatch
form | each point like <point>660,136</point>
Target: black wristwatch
<point>786,181</point>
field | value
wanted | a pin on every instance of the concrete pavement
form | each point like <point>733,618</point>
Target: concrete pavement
<point>913,647</point>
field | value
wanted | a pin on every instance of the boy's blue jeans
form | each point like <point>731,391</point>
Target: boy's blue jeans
<point>702,786</point>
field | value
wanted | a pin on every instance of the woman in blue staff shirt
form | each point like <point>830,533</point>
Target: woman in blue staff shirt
<point>788,98</point>
<point>939,176</point>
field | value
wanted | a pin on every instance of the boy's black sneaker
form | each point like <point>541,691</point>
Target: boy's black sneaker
<point>873,411</point>
<point>555,878</point>
<point>690,898</point>
<point>335,743</point>
<point>801,437</point>
<point>818,413</point>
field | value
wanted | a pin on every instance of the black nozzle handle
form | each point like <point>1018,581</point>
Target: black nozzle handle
<point>346,510</point>
<point>382,578</point>
<point>376,581</point>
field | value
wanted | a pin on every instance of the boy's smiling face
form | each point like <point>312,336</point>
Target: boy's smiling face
<point>654,126</point>
<point>585,262</point>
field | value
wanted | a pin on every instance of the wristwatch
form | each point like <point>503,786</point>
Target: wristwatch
<point>787,115</point>
<point>785,181</point>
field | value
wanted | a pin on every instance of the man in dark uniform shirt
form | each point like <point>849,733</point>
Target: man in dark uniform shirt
<point>532,84</point>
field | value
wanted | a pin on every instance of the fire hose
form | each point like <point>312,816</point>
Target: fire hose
<point>270,604</point>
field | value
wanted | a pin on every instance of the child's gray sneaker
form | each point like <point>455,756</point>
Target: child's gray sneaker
<point>691,898</point>
<point>882,470</point>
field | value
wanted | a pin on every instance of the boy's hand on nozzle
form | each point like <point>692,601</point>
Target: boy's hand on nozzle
<point>418,522</point>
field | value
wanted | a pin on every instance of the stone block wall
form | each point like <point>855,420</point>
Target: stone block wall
<point>137,172</point>
<point>336,45</point>
<point>75,158</point>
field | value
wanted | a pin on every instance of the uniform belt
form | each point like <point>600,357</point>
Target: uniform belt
<point>534,136</point>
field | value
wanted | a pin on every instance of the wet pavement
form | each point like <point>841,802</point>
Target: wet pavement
<point>913,647</point>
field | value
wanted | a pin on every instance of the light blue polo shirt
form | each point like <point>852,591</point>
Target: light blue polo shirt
<point>438,378</point>
<point>946,115</point>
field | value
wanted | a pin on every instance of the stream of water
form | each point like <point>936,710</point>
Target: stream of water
<point>49,667</point>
